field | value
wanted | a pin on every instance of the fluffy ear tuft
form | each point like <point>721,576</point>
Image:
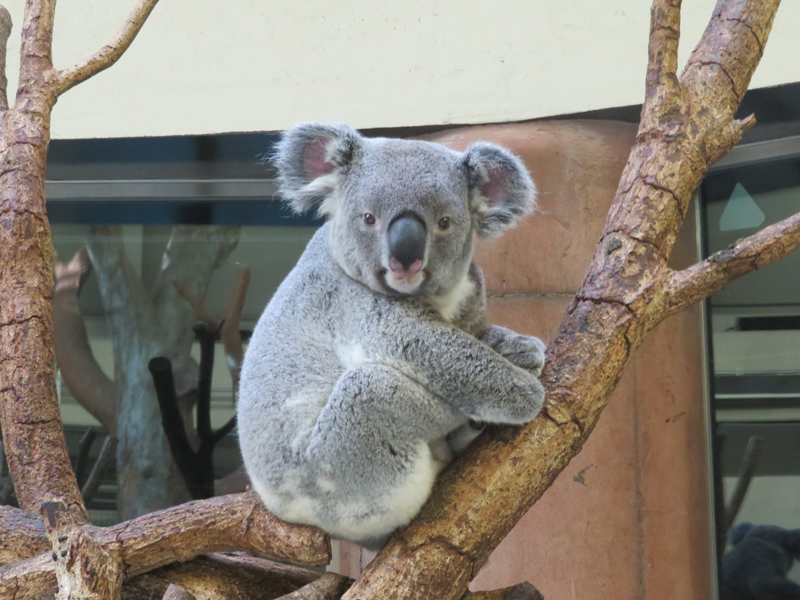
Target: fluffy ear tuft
<point>501,190</point>
<point>311,160</point>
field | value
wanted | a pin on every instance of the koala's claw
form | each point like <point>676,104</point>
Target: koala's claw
<point>524,351</point>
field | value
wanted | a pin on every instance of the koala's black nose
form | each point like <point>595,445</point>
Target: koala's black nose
<point>406,237</point>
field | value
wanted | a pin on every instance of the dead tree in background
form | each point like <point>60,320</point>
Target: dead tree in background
<point>687,124</point>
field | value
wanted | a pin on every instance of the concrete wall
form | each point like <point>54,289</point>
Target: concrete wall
<point>629,517</point>
<point>205,66</point>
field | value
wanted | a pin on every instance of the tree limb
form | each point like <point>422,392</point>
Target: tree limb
<point>228,523</point>
<point>22,535</point>
<point>227,576</point>
<point>5,32</point>
<point>84,378</point>
<point>699,281</point>
<point>109,54</point>
<point>481,496</point>
<point>37,38</point>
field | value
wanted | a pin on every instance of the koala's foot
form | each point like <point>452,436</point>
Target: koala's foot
<point>524,351</point>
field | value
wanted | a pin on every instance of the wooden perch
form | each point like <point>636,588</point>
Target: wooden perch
<point>221,576</point>
<point>227,523</point>
<point>687,123</point>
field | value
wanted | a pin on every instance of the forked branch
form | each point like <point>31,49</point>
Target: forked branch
<point>109,54</point>
<point>228,523</point>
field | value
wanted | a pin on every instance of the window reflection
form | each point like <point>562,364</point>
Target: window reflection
<point>755,385</point>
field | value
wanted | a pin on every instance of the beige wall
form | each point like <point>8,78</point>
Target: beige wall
<point>206,66</point>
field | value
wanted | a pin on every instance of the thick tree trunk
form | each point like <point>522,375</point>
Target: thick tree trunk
<point>32,432</point>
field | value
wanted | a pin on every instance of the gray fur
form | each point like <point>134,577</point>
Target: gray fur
<point>358,387</point>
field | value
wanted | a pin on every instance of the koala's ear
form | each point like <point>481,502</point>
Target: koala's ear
<point>501,190</point>
<point>311,160</point>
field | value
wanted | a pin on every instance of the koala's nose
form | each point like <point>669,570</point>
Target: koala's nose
<point>406,237</point>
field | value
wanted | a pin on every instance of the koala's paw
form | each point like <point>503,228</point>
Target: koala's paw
<point>524,351</point>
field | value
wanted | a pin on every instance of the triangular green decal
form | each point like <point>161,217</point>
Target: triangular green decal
<point>741,212</point>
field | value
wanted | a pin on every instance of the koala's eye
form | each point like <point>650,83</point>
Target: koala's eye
<point>369,218</point>
<point>444,223</point>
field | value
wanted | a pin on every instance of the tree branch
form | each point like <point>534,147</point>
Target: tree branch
<point>22,535</point>
<point>479,498</point>
<point>746,472</point>
<point>109,54</point>
<point>228,523</point>
<point>37,37</point>
<point>84,378</point>
<point>699,281</point>
<point>5,32</point>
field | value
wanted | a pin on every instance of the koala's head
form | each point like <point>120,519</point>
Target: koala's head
<point>402,212</point>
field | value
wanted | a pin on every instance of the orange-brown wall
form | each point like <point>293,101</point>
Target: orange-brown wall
<point>628,518</point>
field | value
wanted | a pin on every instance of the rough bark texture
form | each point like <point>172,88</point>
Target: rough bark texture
<point>220,576</point>
<point>229,523</point>
<point>32,432</point>
<point>687,124</point>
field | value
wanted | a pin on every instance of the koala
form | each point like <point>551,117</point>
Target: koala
<point>372,366</point>
<point>756,565</point>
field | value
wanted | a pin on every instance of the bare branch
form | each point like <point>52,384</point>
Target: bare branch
<point>84,378</point>
<point>5,32</point>
<point>226,575</point>
<point>663,91</point>
<point>37,38</point>
<point>229,523</point>
<point>109,54</point>
<point>699,281</point>
<point>104,460</point>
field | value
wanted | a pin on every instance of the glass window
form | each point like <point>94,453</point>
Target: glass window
<point>754,331</point>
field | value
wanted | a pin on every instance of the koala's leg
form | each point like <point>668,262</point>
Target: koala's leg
<point>371,446</point>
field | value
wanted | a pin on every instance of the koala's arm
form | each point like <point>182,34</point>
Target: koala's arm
<point>459,368</point>
<point>525,351</point>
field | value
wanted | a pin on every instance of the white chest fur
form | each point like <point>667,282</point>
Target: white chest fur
<point>450,304</point>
